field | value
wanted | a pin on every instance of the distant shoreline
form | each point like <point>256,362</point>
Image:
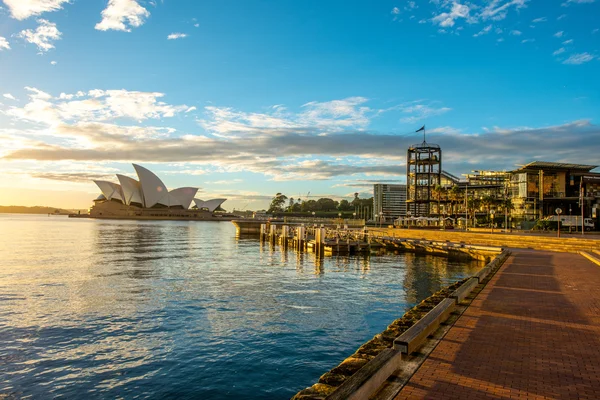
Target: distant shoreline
<point>35,210</point>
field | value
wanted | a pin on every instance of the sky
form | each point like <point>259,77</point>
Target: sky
<point>245,99</point>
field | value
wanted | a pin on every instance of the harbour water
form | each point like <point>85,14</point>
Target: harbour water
<point>154,309</point>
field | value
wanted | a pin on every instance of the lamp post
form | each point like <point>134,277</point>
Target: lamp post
<point>354,215</point>
<point>558,212</point>
<point>380,217</point>
<point>492,218</point>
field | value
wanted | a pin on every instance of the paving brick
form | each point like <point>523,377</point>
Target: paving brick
<point>532,333</point>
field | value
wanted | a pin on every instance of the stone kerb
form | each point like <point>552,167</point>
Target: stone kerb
<point>416,335</point>
<point>590,257</point>
<point>369,378</point>
<point>466,288</point>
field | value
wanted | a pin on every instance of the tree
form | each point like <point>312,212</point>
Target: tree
<point>291,205</point>
<point>277,203</point>
<point>454,195</point>
<point>326,204</point>
<point>344,205</point>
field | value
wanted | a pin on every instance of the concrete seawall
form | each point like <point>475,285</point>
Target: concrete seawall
<point>570,243</point>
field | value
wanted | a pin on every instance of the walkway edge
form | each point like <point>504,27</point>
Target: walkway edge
<point>369,379</point>
<point>590,257</point>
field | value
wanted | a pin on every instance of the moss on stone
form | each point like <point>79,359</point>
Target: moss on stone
<point>349,366</point>
<point>332,379</point>
<point>329,381</point>
<point>322,388</point>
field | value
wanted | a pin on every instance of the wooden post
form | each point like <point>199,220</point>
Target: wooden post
<point>283,239</point>
<point>263,232</point>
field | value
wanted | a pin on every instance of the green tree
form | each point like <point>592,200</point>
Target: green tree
<point>454,195</point>
<point>277,203</point>
<point>344,205</point>
<point>326,204</point>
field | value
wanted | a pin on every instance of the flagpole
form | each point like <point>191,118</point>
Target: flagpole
<point>424,134</point>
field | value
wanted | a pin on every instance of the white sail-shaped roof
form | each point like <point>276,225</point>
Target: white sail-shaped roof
<point>153,189</point>
<point>184,195</point>
<point>132,190</point>
<point>110,190</point>
<point>169,200</point>
<point>211,205</point>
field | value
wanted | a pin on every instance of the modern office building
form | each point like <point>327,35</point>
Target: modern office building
<point>537,189</point>
<point>389,201</point>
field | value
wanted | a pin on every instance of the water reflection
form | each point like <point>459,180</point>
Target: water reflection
<point>173,309</point>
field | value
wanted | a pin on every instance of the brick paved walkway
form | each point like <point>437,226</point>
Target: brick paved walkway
<point>532,333</point>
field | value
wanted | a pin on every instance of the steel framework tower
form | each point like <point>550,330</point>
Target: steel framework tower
<point>423,174</point>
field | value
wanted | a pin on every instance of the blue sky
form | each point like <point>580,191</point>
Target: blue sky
<point>249,98</point>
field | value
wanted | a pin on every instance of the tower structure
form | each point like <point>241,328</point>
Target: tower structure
<point>423,174</point>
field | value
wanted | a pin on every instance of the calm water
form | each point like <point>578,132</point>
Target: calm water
<point>141,309</point>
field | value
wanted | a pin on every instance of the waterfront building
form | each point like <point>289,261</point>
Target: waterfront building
<point>537,189</point>
<point>389,201</point>
<point>149,198</point>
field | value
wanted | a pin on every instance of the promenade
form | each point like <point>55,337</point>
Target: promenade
<point>533,332</point>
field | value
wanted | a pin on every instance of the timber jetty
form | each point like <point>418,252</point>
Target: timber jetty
<point>327,238</point>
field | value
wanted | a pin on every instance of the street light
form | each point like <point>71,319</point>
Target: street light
<point>354,215</point>
<point>380,217</point>
<point>492,217</point>
<point>558,212</point>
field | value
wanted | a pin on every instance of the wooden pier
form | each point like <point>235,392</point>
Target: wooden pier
<point>341,240</point>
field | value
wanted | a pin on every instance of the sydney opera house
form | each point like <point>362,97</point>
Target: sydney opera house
<point>149,198</point>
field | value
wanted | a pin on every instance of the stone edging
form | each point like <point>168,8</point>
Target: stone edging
<point>361,374</point>
<point>591,257</point>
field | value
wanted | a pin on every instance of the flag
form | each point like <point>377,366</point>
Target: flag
<point>422,129</point>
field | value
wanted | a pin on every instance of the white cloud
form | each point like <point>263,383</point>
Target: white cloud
<point>420,112</point>
<point>516,33</point>
<point>580,58</point>
<point>527,40</point>
<point>497,10</point>
<point>100,105</point>
<point>559,51</point>
<point>595,31</point>
<point>484,31</point>
<point>568,41</point>
<point>562,16</point>
<point>566,4</point>
<point>559,34</point>
<point>4,45</point>
<point>196,25</point>
<point>23,9</point>
<point>42,37</point>
<point>174,36</point>
<point>447,19</point>
<point>120,13</point>
<point>193,108</point>
<point>53,62</point>
<point>9,96</point>
<point>395,10</point>
<point>538,20</point>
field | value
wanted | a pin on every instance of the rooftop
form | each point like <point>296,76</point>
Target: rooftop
<point>555,165</point>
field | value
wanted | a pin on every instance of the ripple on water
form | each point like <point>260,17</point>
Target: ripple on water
<point>145,309</point>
